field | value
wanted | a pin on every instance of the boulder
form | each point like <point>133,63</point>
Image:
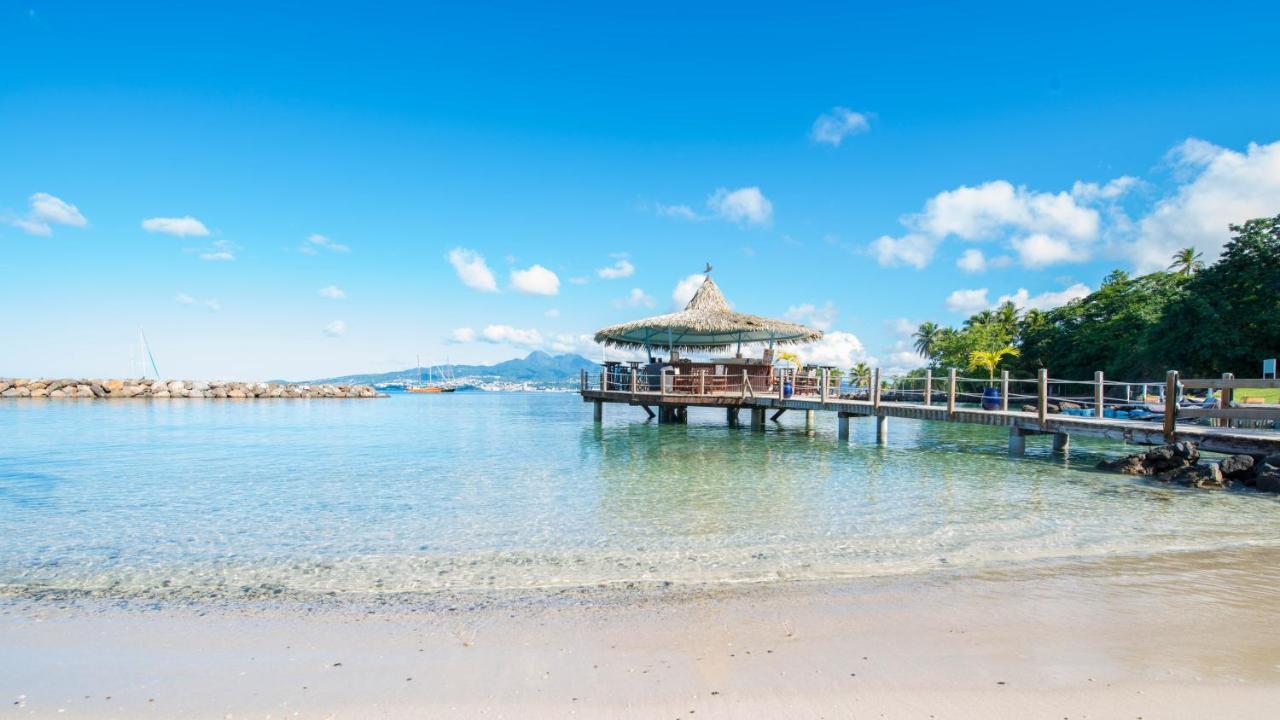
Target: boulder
<point>200,385</point>
<point>176,385</point>
<point>39,393</point>
<point>1158,460</point>
<point>5,385</point>
<point>1237,467</point>
<point>84,391</point>
<point>98,390</point>
<point>1208,476</point>
<point>57,394</point>
<point>160,394</point>
<point>10,392</point>
<point>113,386</point>
<point>218,392</point>
<point>1268,480</point>
<point>236,393</point>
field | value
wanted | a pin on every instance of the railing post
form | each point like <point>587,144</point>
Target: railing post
<point>875,388</point>
<point>928,386</point>
<point>1225,399</point>
<point>1170,405</point>
<point>702,382</point>
<point>582,380</point>
<point>1042,394</point>
<point>633,381</point>
<point>1099,395</point>
<point>951,392</point>
<point>1004,391</point>
<point>826,383</point>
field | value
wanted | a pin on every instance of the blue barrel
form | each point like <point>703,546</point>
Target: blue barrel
<point>991,399</point>
<point>787,389</point>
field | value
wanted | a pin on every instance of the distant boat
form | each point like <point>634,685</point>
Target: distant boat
<point>430,386</point>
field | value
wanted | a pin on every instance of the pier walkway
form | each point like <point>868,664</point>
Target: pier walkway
<point>1209,427</point>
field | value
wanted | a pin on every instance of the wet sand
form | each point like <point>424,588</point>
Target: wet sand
<point>1175,636</point>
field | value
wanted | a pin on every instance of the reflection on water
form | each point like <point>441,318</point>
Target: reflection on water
<point>484,491</point>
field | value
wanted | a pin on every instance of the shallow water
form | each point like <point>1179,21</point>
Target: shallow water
<point>523,492</point>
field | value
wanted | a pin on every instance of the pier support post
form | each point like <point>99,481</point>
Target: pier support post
<point>757,418</point>
<point>928,386</point>
<point>1061,442</point>
<point>732,416</point>
<point>842,427</point>
<point>808,421</point>
<point>882,429</point>
<point>1017,442</point>
<point>598,412</point>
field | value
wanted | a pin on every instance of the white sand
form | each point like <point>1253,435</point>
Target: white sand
<point>1175,637</point>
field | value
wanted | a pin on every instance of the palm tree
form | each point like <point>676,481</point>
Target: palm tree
<point>1187,261</point>
<point>1006,316</point>
<point>926,337</point>
<point>989,359</point>
<point>981,318</point>
<point>861,373</point>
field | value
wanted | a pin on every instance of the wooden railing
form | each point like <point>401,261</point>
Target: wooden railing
<point>1101,397</point>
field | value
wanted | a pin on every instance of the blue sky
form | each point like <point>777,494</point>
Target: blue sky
<point>860,167</point>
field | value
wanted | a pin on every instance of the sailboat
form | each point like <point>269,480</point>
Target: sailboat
<point>430,387</point>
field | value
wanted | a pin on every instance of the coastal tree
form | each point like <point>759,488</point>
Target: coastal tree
<point>1187,261</point>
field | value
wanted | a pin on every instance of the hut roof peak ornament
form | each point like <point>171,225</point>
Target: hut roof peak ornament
<point>708,321</point>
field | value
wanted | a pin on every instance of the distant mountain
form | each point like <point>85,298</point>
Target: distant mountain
<point>537,366</point>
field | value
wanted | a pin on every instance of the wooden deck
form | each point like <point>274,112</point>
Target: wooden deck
<point>1020,424</point>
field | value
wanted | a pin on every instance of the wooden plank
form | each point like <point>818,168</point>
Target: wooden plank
<point>1231,413</point>
<point>1230,383</point>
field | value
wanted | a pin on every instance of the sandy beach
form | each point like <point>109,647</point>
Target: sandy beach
<point>1174,636</point>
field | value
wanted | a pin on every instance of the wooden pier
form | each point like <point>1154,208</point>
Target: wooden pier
<point>822,393</point>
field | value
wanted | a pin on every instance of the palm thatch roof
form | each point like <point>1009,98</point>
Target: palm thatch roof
<point>707,322</point>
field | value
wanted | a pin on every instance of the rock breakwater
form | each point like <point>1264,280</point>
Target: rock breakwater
<point>93,389</point>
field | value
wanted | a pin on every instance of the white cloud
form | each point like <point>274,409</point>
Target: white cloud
<point>1046,300</point>
<point>682,212</point>
<point>508,335</point>
<point>747,206</point>
<point>639,298</point>
<point>901,359</point>
<point>579,280</point>
<point>1043,227</point>
<point>1040,250</point>
<point>1090,192</point>
<point>45,211</point>
<point>1223,187</point>
<point>183,299</point>
<point>213,304</point>
<point>336,328</point>
<point>840,349</point>
<point>685,289</point>
<point>621,269</point>
<point>317,242</point>
<point>552,313</point>
<point>902,327</point>
<point>809,314</point>
<point>55,210</point>
<point>217,256</point>
<point>463,335</point>
<point>972,261</point>
<point>912,249</point>
<point>831,128</point>
<point>535,280</point>
<point>472,270</point>
<point>566,343</point>
<point>178,227</point>
<point>968,302</point>
<point>333,292</point>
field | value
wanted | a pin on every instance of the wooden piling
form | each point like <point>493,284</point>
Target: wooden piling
<point>1004,391</point>
<point>928,386</point>
<point>875,389</point>
<point>882,429</point>
<point>1017,442</point>
<point>842,427</point>
<point>1042,394</point>
<point>1099,395</point>
<point>1170,405</point>
<point>951,392</point>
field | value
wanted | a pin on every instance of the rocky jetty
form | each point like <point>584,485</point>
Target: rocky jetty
<point>161,389</point>
<point>1180,463</point>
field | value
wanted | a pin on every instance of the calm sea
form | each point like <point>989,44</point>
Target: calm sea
<point>477,491</point>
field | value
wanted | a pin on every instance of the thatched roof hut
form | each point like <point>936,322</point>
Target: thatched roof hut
<point>707,322</point>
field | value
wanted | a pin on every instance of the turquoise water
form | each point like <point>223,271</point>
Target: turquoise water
<point>523,492</point>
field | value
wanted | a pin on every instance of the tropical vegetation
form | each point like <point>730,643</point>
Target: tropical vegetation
<point>1200,319</point>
